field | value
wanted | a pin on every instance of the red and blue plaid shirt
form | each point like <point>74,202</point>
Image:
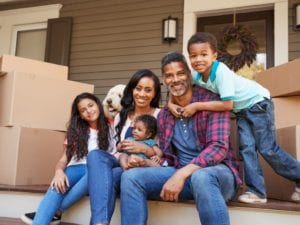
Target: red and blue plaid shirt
<point>212,129</point>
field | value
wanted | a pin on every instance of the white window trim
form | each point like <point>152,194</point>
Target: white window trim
<point>194,9</point>
<point>17,28</point>
<point>12,21</point>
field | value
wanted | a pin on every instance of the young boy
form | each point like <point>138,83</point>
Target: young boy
<point>254,111</point>
<point>144,131</point>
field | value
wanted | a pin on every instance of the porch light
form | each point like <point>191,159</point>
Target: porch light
<point>296,17</point>
<point>170,29</point>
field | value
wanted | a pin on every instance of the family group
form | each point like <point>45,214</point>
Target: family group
<point>178,152</point>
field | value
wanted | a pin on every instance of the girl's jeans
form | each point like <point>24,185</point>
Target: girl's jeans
<point>54,201</point>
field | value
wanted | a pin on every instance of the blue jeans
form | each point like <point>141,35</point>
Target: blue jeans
<point>54,201</point>
<point>104,176</point>
<point>258,133</point>
<point>211,187</point>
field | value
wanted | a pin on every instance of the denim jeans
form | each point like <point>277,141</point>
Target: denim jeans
<point>211,187</point>
<point>54,201</point>
<point>258,133</point>
<point>104,176</point>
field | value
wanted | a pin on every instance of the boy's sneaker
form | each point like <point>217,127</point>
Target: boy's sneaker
<point>28,218</point>
<point>296,195</point>
<point>249,197</point>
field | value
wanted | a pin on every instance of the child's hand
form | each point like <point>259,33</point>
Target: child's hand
<point>135,161</point>
<point>176,110</point>
<point>60,181</point>
<point>189,110</point>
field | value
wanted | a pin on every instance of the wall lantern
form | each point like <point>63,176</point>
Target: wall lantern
<point>296,17</point>
<point>170,29</point>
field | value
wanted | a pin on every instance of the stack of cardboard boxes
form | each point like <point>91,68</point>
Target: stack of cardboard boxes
<point>284,84</point>
<point>35,104</point>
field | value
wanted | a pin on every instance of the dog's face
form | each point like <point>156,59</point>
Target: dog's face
<point>111,102</point>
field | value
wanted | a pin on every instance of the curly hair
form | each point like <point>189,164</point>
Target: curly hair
<point>127,101</point>
<point>149,122</point>
<point>78,129</point>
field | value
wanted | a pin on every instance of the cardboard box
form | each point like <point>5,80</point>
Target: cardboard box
<point>28,156</point>
<point>278,187</point>
<point>9,63</point>
<point>286,111</point>
<point>31,101</point>
<point>282,80</point>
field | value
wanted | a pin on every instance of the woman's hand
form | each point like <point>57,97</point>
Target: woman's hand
<point>130,146</point>
<point>60,181</point>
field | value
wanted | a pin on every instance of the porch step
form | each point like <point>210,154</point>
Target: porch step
<point>17,221</point>
<point>272,204</point>
<point>16,200</point>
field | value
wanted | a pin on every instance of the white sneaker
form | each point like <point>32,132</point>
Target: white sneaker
<point>249,197</point>
<point>296,195</point>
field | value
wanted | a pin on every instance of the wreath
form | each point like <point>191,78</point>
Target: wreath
<point>247,42</point>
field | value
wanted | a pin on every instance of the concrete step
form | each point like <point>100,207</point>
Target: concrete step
<point>14,203</point>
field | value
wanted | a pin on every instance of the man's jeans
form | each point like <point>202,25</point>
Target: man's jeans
<point>104,176</point>
<point>54,201</point>
<point>257,133</point>
<point>211,187</point>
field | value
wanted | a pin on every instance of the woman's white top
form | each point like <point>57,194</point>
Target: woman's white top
<point>93,145</point>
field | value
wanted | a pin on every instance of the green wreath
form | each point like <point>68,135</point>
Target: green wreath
<point>247,43</point>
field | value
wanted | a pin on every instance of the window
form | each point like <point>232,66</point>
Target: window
<point>29,41</point>
<point>23,31</point>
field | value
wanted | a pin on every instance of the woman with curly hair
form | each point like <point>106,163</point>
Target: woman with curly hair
<point>88,131</point>
<point>141,96</point>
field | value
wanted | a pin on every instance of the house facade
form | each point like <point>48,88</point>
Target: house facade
<point>112,39</point>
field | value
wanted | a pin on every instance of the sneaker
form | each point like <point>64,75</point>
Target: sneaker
<point>28,218</point>
<point>296,195</point>
<point>249,197</point>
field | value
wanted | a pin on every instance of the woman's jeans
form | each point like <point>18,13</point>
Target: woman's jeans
<point>258,133</point>
<point>54,201</point>
<point>104,176</point>
<point>210,187</point>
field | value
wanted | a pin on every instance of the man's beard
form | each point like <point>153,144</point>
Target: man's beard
<point>184,86</point>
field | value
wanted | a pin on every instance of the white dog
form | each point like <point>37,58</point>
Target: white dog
<point>112,101</point>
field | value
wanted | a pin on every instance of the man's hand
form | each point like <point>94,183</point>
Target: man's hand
<point>172,188</point>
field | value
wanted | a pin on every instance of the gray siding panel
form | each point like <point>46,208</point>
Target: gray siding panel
<point>112,39</point>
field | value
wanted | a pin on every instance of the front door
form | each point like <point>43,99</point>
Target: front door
<point>259,23</point>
